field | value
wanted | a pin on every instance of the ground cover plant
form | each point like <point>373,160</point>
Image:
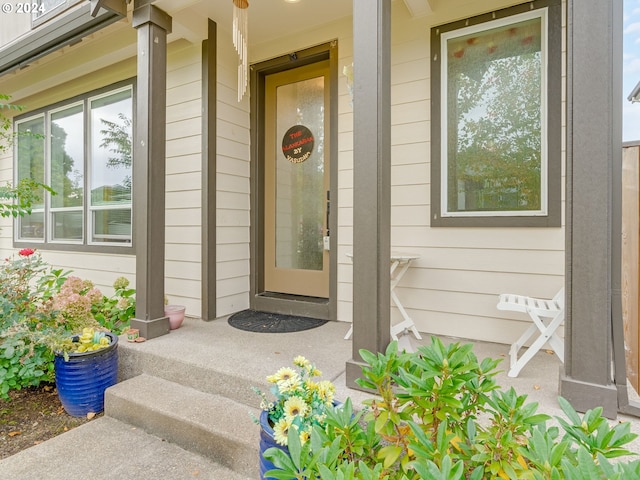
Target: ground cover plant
<point>440,415</point>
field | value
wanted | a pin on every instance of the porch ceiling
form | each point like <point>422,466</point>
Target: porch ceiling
<point>269,19</point>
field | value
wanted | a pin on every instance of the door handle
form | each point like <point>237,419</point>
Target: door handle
<point>328,210</point>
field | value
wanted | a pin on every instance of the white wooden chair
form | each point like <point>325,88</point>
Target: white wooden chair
<point>547,316</point>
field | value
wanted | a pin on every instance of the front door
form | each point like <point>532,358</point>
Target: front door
<point>296,175</point>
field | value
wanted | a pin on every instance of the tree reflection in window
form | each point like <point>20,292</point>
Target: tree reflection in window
<point>494,112</point>
<point>117,139</point>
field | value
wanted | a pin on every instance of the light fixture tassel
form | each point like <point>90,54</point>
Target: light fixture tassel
<point>240,30</point>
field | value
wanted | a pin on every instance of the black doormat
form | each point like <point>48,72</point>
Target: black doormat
<point>265,322</point>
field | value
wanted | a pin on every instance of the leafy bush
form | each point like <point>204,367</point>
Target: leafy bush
<point>16,201</point>
<point>114,313</point>
<point>23,362</point>
<point>40,309</point>
<point>441,415</point>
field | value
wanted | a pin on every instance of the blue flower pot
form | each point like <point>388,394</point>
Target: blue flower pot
<point>82,379</point>
<point>267,441</point>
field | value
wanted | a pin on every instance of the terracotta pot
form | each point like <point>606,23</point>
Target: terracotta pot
<point>175,314</point>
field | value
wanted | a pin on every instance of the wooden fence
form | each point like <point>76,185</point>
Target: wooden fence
<point>630,257</point>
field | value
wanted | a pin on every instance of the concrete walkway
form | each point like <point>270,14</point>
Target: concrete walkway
<point>109,449</point>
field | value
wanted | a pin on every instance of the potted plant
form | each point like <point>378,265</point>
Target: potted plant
<point>299,403</point>
<point>51,322</point>
<point>86,355</point>
<point>84,369</point>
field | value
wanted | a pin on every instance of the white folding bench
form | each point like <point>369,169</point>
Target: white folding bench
<point>547,316</point>
<point>399,264</point>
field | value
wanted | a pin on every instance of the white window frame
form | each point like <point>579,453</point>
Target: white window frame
<point>16,177</point>
<point>49,238</point>
<point>541,13</point>
<point>91,209</point>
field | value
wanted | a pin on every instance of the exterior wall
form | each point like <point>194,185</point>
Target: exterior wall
<point>452,289</point>
<point>61,73</point>
<point>232,196</point>
<point>184,179</point>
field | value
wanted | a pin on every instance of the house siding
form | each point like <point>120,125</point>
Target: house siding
<point>183,176</point>
<point>451,290</point>
<point>232,196</point>
<point>13,25</point>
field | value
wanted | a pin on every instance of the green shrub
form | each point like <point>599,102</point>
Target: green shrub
<point>41,308</point>
<point>439,414</point>
<point>114,313</point>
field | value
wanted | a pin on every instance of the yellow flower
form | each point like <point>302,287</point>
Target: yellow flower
<point>291,385</point>
<point>300,361</point>
<point>304,437</point>
<point>281,430</point>
<point>295,407</point>
<point>285,373</point>
<point>321,418</point>
<point>326,391</point>
<point>300,402</point>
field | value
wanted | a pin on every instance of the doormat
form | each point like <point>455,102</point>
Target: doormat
<point>266,322</point>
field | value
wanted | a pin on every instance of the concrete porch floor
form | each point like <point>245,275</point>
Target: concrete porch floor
<point>107,448</point>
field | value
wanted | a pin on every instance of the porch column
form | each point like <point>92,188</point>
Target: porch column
<point>594,150</point>
<point>152,25</point>
<point>371,180</point>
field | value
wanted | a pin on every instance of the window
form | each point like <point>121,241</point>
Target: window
<point>43,10</point>
<point>496,119</point>
<point>83,150</point>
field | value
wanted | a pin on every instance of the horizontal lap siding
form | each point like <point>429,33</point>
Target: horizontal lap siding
<point>232,196</point>
<point>101,269</point>
<point>184,182</point>
<point>183,234</point>
<point>452,288</point>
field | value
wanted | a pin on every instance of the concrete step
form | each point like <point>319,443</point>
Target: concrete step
<point>105,449</point>
<point>210,425</point>
<point>190,369</point>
